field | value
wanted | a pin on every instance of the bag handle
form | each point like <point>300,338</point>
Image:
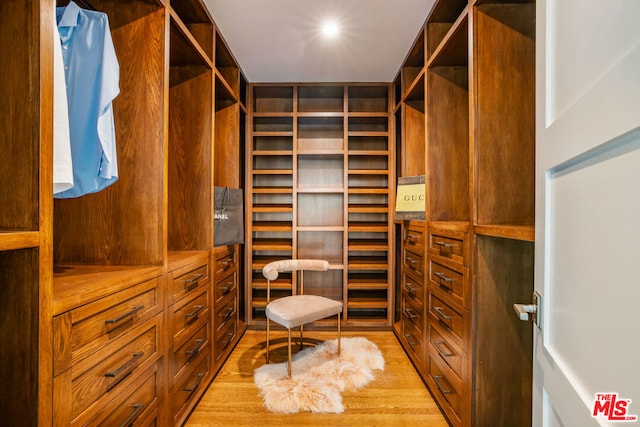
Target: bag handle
<point>224,203</point>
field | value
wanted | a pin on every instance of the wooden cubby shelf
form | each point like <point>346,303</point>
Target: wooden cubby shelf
<point>337,139</point>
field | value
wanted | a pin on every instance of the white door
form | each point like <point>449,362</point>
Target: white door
<point>587,352</point>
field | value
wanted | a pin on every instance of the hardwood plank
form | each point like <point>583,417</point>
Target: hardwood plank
<point>396,397</point>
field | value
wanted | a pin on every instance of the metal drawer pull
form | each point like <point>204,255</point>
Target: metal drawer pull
<point>125,369</point>
<point>410,289</point>
<point>448,280</point>
<point>226,343</point>
<point>125,316</point>
<point>227,315</point>
<point>226,289</point>
<point>439,345</point>
<point>445,245</point>
<point>195,349</point>
<point>196,384</point>
<point>137,408</point>
<point>443,277</point>
<point>437,378</point>
<point>193,282</point>
<point>441,313</point>
<point>409,313</point>
<point>411,343</point>
<point>190,317</point>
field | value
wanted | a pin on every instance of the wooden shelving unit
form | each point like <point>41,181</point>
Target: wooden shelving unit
<point>137,256</point>
<point>456,285</point>
<point>319,173</point>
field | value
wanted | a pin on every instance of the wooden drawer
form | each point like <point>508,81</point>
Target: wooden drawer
<point>85,388</point>
<point>224,337</point>
<point>83,331</point>
<point>139,407</point>
<point>413,262</point>
<point>454,322</point>
<point>414,238</point>
<point>190,386</point>
<point>452,279</point>
<point>451,244</point>
<point>446,389</point>
<point>412,340</point>
<point>413,290</point>
<point>225,260</point>
<point>413,314</point>
<point>225,312</point>
<point>187,280</point>
<point>184,318</point>
<point>440,346</point>
<point>183,356</point>
<point>225,286</point>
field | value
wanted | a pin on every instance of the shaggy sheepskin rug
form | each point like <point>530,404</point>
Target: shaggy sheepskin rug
<point>319,376</point>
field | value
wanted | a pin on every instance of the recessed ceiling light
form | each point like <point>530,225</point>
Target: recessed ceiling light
<point>330,29</point>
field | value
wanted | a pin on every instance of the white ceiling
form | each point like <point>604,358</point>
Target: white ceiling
<point>280,40</point>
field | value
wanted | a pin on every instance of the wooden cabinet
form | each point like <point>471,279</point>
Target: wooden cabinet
<point>319,184</point>
<point>189,325</point>
<point>108,346</point>
<point>109,296</point>
<point>227,323</point>
<point>413,292</point>
<point>471,74</point>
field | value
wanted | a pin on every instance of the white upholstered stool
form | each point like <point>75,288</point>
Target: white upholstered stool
<point>297,309</point>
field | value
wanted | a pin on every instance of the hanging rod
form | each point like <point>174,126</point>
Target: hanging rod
<point>85,4</point>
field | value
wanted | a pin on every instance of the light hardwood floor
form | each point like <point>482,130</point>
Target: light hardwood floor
<point>396,397</point>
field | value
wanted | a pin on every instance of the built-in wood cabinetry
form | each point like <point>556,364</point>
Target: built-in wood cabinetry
<point>465,94</point>
<point>320,185</point>
<point>111,297</point>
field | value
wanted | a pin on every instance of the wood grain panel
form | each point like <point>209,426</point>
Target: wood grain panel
<point>448,142</point>
<point>504,109</point>
<point>125,221</point>
<point>190,223</point>
<point>503,343</point>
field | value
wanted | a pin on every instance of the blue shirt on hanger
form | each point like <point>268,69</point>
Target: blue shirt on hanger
<point>92,74</point>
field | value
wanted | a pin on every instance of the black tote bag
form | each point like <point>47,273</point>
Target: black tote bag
<point>228,218</point>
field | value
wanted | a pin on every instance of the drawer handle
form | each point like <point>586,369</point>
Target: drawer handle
<point>226,289</point>
<point>411,238</point>
<point>126,316</point>
<point>444,353</point>
<point>226,263</point>
<point>413,263</point>
<point>190,317</point>
<point>445,245</point>
<point>195,384</point>
<point>437,379</point>
<point>228,312</point>
<point>195,349</point>
<point>409,313</point>
<point>441,313</point>
<point>445,248</point>
<point>408,338</point>
<point>125,369</point>
<point>137,408</point>
<point>447,281</point>
<point>227,342</point>
<point>193,282</point>
<point>410,289</point>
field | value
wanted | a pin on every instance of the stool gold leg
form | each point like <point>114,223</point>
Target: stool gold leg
<point>339,334</point>
<point>289,354</point>
<point>267,340</point>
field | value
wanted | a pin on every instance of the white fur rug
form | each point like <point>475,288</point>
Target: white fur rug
<point>319,376</point>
